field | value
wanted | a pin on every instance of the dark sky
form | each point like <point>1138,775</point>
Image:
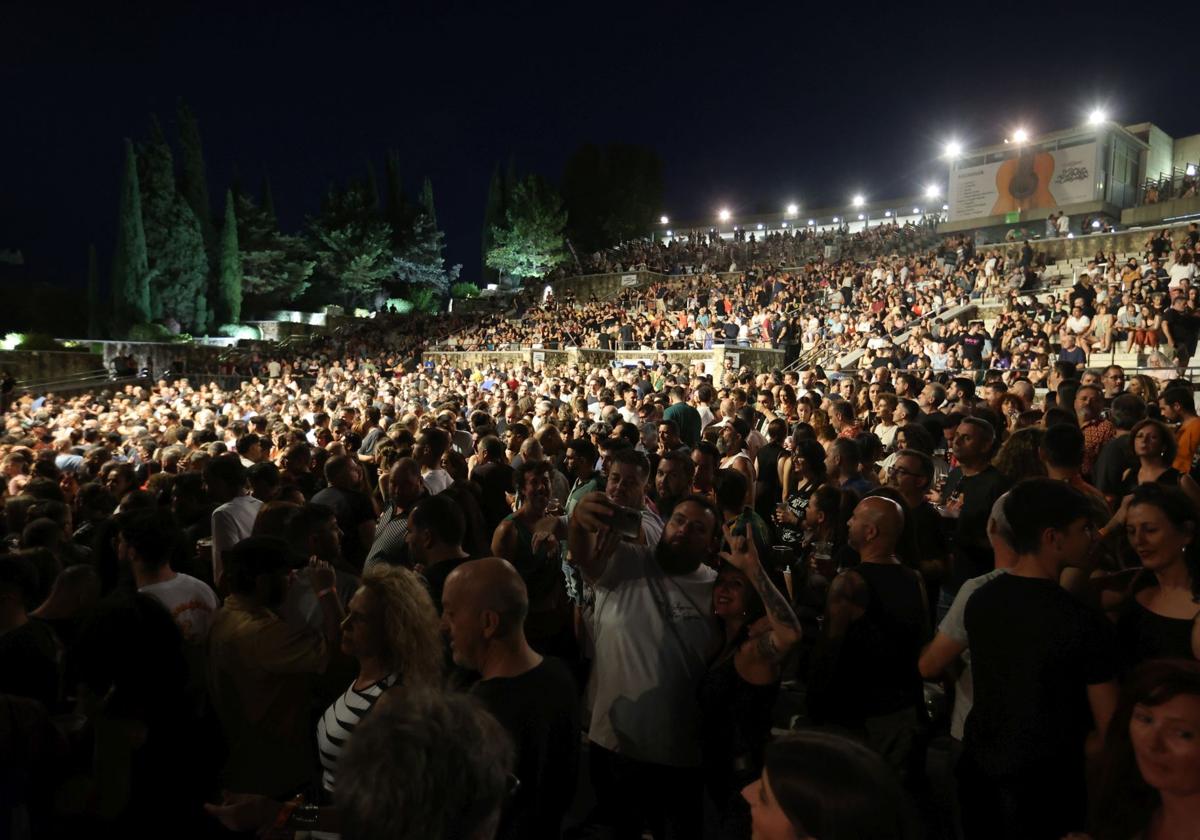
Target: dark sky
<point>749,105</point>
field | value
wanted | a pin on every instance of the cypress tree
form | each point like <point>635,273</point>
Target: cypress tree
<point>427,202</point>
<point>178,262</point>
<point>93,293</point>
<point>193,184</point>
<point>131,271</point>
<point>229,277</point>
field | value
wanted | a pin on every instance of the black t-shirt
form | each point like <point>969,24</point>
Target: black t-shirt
<point>769,491</point>
<point>540,710</point>
<point>29,663</point>
<point>1183,327</point>
<point>972,346</point>
<point>1034,652</point>
<point>972,552</point>
<point>351,508</point>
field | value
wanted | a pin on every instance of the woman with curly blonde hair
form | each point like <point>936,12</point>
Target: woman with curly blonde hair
<point>392,629</point>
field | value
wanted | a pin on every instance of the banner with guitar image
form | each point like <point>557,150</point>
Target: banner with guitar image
<point>1032,180</point>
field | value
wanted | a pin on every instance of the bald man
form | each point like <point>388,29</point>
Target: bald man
<point>876,622</point>
<point>484,604</point>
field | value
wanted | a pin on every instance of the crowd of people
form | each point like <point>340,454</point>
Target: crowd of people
<point>416,600</point>
<point>704,252</point>
<point>949,591</point>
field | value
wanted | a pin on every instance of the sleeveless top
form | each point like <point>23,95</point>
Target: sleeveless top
<point>1142,635</point>
<point>793,535</point>
<point>736,719</point>
<point>540,572</point>
<point>339,721</point>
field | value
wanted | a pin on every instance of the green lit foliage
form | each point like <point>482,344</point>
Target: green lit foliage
<point>353,247</point>
<point>531,243</point>
<point>276,268</point>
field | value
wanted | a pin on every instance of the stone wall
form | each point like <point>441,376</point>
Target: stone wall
<point>36,366</point>
<point>1151,213</point>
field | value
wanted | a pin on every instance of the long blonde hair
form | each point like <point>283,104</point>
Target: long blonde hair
<point>411,630</point>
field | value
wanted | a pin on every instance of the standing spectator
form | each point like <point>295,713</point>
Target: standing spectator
<point>877,619</point>
<point>1147,781</point>
<point>402,490</point>
<point>484,607</point>
<point>260,670</point>
<point>431,445</point>
<point>1097,429</point>
<point>495,479</point>
<point>1179,406</point>
<point>971,489</point>
<point>1037,656</point>
<point>353,508</point>
<point>28,650</point>
<point>1116,457</point>
<point>228,487</point>
<point>685,416</point>
<point>146,542</point>
<point>654,633</point>
<point>768,490</point>
<point>436,528</point>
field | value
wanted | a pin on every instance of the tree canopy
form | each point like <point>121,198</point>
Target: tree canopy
<point>531,242</point>
<point>612,194</point>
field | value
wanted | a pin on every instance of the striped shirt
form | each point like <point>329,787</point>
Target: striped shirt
<point>338,723</point>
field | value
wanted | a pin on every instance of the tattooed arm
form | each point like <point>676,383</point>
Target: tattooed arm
<point>772,638</point>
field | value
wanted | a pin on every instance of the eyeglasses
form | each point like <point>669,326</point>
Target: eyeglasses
<point>901,471</point>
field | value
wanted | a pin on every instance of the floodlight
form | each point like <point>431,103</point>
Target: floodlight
<point>1190,170</point>
<point>760,225</point>
<point>916,209</point>
<point>663,219</point>
<point>812,221</point>
<point>1020,135</point>
<point>783,224</point>
<point>887,214</point>
<point>860,217</point>
<point>945,206</point>
<point>835,219</point>
<point>670,233</point>
<point>857,201</point>
<point>1095,224</point>
<point>1097,117</point>
<point>952,150</point>
<point>723,215</point>
<point>932,191</point>
<point>793,209</point>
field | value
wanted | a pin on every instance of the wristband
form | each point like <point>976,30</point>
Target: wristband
<point>325,592</point>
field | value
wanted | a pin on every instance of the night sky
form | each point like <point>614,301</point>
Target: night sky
<point>749,106</point>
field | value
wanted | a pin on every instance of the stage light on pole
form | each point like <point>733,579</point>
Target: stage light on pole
<point>1097,117</point>
<point>1020,135</point>
<point>887,214</point>
<point>793,209</point>
<point>760,227</point>
<point>835,220</point>
<point>724,214</point>
<point>783,224</point>
<point>932,191</point>
<point>812,221</point>
<point>916,209</point>
<point>860,217</point>
<point>670,233</point>
<point>857,201</point>
<point>952,150</point>
<point>663,219</point>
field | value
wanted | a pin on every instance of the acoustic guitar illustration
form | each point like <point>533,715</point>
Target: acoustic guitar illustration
<point>1023,183</point>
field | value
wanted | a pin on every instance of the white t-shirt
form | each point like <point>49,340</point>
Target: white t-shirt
<point>437,480</point>
<point>232,522</point>
<point>190,601</point>
<point>955,628</point>
<point>645,675</point>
